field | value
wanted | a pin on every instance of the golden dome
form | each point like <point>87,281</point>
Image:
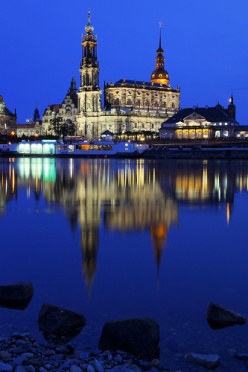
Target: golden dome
<point>160,76</point>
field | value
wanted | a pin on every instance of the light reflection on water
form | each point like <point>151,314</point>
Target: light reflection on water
<point>129,238</point>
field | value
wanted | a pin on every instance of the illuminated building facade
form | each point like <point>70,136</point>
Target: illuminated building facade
<point>201,123</point>
<point>128,105</point>
<point>7,119</point>
<point>67,110</point>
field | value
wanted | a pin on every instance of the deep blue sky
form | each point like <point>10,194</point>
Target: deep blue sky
<point>205,46</point>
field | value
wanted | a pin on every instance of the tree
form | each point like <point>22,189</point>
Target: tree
<point>62,127</point>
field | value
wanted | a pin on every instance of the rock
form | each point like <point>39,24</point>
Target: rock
<point>218,317</point>
<point>5,367</point>
<point>126,368</point>
<point>90,368</point>
<point>209,361</point>
<point>98,366</point>
<point>241,356</point>
<point>136,336</point>
<point>118,359</point>
<point>60,323</point>
<point>75,369</point>
<point>16,296</point>
<point>20,369</point>
<point>155,362</point>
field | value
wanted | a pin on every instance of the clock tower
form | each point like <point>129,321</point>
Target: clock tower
<point>89,102</point>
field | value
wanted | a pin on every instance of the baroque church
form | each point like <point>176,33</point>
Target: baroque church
<point>128,105</point>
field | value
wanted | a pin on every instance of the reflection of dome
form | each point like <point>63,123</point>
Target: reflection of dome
<point>158,235</point>
<point>160,76</point>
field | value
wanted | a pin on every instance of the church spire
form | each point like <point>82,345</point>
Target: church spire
<point>89,93</point>
<point>89,68</point>
<point>160,75</point>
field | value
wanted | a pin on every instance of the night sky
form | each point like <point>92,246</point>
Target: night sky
<point>205,48</point>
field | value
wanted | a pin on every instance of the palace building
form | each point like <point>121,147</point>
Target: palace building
<point>201,123</point>
<point>128,105</point>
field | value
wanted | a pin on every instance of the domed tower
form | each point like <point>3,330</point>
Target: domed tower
<point>89,102</point>
<point>160,75</point>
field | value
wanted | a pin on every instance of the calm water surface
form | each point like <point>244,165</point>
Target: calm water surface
<point>116,239</point>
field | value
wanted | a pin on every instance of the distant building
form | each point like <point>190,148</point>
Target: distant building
<point>201,123</point>
<point>7,119</point>
<point>129,105</point>
<point>32,127</point>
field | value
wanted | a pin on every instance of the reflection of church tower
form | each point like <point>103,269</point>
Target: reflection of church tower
<point>160,75</point>
<point>89,103</point>
<point>89,241</point>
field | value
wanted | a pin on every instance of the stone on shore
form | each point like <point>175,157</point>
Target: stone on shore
<point>218,317</point>
<point>58,324</point>
<point>16,296</point>
<point>241,356</point>
<point>209,361</point>
<point>136,336</point>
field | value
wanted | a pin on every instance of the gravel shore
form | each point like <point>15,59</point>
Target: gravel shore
<point>21,353</point>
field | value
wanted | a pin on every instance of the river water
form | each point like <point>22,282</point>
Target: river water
<point>115,239</point>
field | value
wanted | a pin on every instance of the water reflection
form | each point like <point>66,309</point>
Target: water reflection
<point>122,195</point>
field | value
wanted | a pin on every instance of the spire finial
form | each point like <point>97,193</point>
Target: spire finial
<point>160,37</point>
<point>89,28</point>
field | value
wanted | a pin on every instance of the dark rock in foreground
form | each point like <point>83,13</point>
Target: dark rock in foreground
<point>58,324</point>
<point>136,336</point>
<point>218,317</point>
<point>210,361</point>
<point>241,356</point>
<point>16,296</point>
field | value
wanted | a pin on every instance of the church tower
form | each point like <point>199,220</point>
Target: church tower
<point>160,75</point>
<point>89,102</point>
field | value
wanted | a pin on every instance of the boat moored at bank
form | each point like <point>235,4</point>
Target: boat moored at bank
<point>78,148</point>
